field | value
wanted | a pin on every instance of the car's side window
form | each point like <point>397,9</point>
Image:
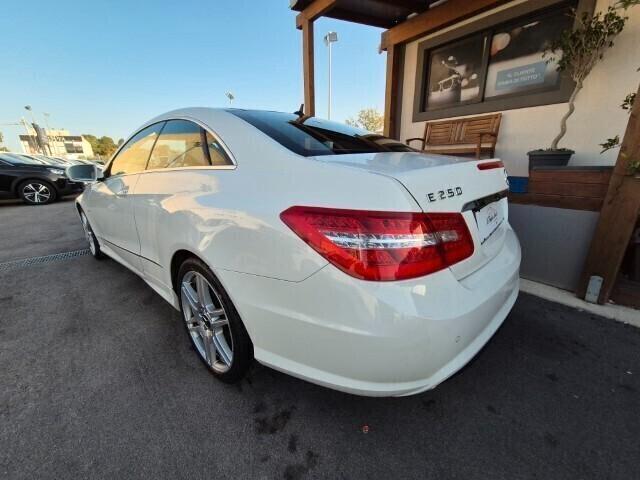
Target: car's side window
<point>218,156</point>
<point>134,155</point>
<point>179,145</point>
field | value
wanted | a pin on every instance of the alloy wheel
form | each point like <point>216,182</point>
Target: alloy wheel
<point>36,192</point>
<point>88,233</point>
<point>207,322</point>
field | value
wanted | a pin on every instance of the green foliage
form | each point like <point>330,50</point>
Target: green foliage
<point>634,167</point>
<point>627,103</point>
<point>368,119</point>
<point>577,51</point>
<point>102,147</point>
<point>610,143</point>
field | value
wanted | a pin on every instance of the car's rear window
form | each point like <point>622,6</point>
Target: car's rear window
<point>313,136</point>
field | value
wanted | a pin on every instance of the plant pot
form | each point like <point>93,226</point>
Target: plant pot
<point>549,158</point>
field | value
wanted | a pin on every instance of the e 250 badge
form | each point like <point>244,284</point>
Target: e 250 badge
<point>444,194</point>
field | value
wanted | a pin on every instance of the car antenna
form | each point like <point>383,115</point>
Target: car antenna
<point>300,111</point>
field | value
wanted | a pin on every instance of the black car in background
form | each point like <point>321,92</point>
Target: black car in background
<point>36,181</point>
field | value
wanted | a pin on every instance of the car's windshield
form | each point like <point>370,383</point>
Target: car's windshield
<point>311,136</point>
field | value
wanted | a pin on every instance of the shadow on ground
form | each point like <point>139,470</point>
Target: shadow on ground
<point>99,380</point>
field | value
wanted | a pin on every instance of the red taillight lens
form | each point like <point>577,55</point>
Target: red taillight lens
<point>490,165</point>
<point>382,245</point>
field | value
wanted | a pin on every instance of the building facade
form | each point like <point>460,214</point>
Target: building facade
<point>514,78</point>
<point>60,144</point>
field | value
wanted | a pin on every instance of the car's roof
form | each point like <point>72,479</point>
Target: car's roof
<point>208,115</point>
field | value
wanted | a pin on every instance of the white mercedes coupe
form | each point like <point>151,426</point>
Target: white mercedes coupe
<point>327,252</point>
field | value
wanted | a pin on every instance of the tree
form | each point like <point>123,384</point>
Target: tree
<point>368,119</point>
<point>103,146</point>
<point>578,50</point>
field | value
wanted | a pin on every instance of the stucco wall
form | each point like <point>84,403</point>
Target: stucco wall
<point>598,114</point>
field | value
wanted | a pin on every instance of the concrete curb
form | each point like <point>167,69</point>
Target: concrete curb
<point>612,311</point>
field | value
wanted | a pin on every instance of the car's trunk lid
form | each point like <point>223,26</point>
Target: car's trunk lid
<point>447,184</point>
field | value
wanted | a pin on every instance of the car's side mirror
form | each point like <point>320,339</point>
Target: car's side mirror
<point>83,173</point>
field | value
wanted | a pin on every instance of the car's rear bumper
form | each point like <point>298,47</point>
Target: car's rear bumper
<point>376,338</point>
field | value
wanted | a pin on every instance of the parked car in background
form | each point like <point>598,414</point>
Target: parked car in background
<point>324,251</point>
<point>35,180</point>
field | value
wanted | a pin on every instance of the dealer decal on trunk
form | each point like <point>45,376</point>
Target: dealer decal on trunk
<point>444,194</point>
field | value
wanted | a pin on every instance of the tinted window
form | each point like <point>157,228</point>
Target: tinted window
<point>313,136</point>
<point>179,145</point>
<point>216,152</point>
<point>134,155</point>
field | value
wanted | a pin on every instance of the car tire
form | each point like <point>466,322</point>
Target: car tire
<point>212,322</point>
<point>37,192</point>
<point>94,245</point>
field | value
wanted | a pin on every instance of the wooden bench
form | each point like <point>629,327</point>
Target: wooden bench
<point>463,136</point>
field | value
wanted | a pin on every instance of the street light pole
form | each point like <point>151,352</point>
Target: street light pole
<point>330,38</point>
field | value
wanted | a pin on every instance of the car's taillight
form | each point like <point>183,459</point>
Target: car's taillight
<point>382,245</point>
<point>490,165</point>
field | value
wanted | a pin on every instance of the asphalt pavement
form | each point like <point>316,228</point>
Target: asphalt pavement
<point>98,380</point>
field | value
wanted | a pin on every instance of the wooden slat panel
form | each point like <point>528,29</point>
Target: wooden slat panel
<point>626,292</point>
<point>570,176</point>
<point>461,131</point>
<point>591,190</point>
<point>458,150</point>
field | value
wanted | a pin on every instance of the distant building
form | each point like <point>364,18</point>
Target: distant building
<point>60,144</point>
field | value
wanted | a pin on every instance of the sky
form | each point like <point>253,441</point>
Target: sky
<point>105,67</point>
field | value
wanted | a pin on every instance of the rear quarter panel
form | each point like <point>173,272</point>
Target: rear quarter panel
<point>230,218</point>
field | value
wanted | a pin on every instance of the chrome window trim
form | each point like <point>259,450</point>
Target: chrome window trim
<point>198,122</point>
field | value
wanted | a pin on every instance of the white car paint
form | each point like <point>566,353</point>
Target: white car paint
<point>305,316</point>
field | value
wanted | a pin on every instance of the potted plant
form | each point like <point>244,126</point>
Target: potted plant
<point>576,52</point>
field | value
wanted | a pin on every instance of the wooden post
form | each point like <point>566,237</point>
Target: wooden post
<point>308,68</point>
<point>391,91</point>
<point>618,216</point>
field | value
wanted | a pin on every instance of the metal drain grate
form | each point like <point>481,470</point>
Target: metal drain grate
<point>27,262</point>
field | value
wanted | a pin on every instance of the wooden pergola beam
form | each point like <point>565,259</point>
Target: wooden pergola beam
<point>304,22</point>
<point>434,19</point>
<point>618,216</point>
<point>308,68</point>
<point>392,90</point>
<point>314,11</point>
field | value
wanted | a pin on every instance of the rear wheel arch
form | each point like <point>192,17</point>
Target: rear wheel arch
<point>182,255</point>
<point>178,259</point>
